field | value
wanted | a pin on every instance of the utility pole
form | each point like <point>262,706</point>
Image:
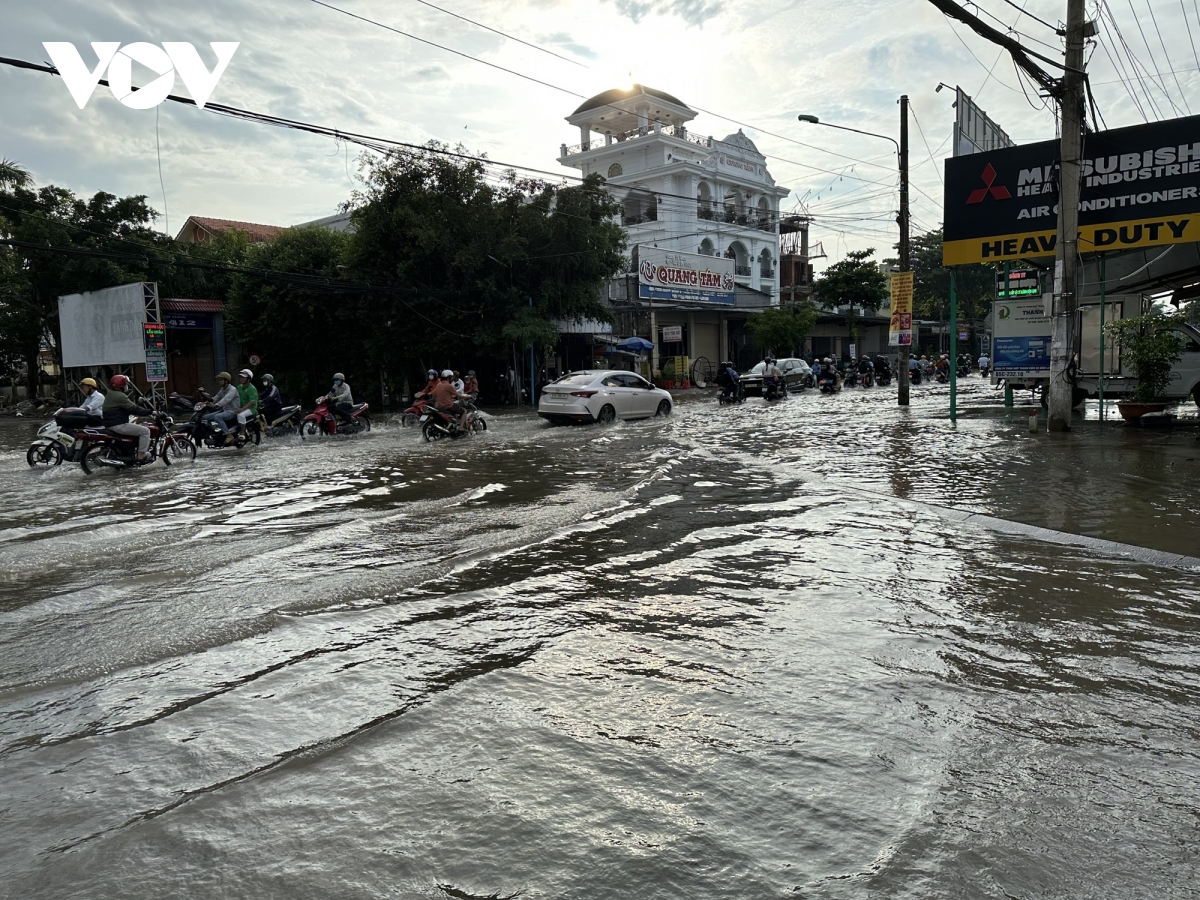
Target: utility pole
<point>905,265</point>
<point>1066,260</point>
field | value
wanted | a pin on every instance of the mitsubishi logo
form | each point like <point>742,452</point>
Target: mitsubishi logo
<point>999,193</point>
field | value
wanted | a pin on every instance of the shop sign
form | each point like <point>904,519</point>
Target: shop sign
<point>1140,187</point>
<point>688,277</point>
<point>156,365</point>
<point>900,333</point>
<point>1021,330</point>
<point>672,333</point>
<point>188,320</point>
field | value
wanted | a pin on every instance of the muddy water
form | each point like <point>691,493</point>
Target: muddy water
<point>738,653</point>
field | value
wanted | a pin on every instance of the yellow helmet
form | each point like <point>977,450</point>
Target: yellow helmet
<point>90,382</point>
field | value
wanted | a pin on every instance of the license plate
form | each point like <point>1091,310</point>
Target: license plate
<point>425,418</point>
<point>77,445</point>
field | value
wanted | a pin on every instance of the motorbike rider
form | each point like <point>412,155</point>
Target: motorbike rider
<point>828,370</point>
<point>865,366</point>
<point>943,366</point>
<point>93,400</point>
<point>446,397</point>
<point>226,402</point>
<point>984,364</point>
<point>883,368</point>
<point>270,399</point>
<point>458,384</point>
<point>247,401</point>
<point>772,374</point>
<point>727,379</point>
<point>471,386</point>
<point>427,391</point>
<point>116,412</point>
<point>340,397</point>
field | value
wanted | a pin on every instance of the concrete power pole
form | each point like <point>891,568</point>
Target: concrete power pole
<point>1066,261</point>
<point>905,265</point>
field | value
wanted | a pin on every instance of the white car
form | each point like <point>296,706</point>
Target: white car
<point>602,395</point>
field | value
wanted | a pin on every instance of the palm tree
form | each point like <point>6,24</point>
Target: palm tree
<point>12,175</point>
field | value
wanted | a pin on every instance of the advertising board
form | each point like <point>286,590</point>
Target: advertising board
<point>1021,339</point>
<point>1140,187</point>
<point>104,328</point>
<point>900,332</point>
<point>689,277</point>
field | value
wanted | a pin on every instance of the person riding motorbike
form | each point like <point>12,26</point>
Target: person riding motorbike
<point>883,367</point>
<point>247,401</point>
<point>828,370</point>
<point>446,397</point>
<point>471,386</point>
<point>340,398</point>
<point>116,412</point>
<point>865,366</point>
<point>772,376</point>
<point>226,403</point>
<point>270,399</point>
<point>427,391</point>
<point>458,383</point>
<point>727,379</point>
<point>93,400</point>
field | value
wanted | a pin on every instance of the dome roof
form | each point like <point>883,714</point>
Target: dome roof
<point>616,94</point>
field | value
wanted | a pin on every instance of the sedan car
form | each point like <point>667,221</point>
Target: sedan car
<point>796,375</point>
<point>602,395</point>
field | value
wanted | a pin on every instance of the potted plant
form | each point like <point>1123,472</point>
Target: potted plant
<point>1150,346</point>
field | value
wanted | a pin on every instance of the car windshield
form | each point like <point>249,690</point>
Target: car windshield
<point>757,370</point>
<point>577,378</point>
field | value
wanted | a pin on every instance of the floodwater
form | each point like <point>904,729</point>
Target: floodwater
<point>752,652</point>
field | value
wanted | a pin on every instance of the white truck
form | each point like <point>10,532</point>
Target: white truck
<point>1021,350</point>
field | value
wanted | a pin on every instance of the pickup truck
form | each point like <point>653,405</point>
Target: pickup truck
<point>1021,350</point>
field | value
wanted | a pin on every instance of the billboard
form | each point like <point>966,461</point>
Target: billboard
<point>974,131</point>
<point>104,328</point>
<point>900,332</point>
<point>689,277</point>
<point>1021,339</point>
<point>1140,187</point>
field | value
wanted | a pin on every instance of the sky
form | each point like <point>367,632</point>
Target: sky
<point>757,63</point>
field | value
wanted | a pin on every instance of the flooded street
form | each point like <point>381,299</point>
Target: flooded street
<point>812,649</point>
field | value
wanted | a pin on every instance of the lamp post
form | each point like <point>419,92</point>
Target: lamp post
<point>901,219</point>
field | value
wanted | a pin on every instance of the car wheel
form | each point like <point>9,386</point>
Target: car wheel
<point>607,414</point>
<point>664,409</point>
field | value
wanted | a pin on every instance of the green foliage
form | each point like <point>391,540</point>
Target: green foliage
<point>527,327</point>
<point>1151,347</point>
<point>975,284</point>
<point>856,283</point>
<point>783,329</point>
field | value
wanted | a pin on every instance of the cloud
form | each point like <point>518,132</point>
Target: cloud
<point>694,12</point>
<point>564,40</point>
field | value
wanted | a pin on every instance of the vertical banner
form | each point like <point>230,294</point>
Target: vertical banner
<point>901,332</point>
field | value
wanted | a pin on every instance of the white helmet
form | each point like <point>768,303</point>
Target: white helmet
<point>338,376</point>
<point>245,373</point>
<point>446,373</point>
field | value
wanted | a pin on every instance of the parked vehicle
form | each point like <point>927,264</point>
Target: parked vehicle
<point>796,374</point>
<point>98,449</point>
<point>602,395</point>
<point>323,421</point>
<point>286,421</point>
<point>203,434</point>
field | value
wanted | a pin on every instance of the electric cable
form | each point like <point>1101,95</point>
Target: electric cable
<point>502,33</point>
<point>1167,56</point>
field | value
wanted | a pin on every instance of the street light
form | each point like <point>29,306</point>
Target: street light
<point>901,220</point>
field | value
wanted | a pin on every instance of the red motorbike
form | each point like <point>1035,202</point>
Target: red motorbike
<point>98,449</point>
<point>412,415</point>
<point>323,420</point>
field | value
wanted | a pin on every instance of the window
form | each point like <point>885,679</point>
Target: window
<point>611,381</point>
<point>614,170</point>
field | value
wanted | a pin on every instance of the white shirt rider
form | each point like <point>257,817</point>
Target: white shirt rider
<point>93,403</point>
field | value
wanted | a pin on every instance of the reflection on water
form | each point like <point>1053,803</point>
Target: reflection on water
<point>709,656</point>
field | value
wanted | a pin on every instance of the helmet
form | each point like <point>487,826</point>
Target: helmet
<point>827,361</point>
<point>118,382</point>
<point>338,376</point>
<point>245,373</point>
<point>470,372</point>
<point>268,379</point>
<point>446,373</point>
<point>224,375</point>
<point>432,373</point>
<point>90,382</point>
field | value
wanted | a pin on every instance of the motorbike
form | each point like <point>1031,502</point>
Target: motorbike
<point>735,393</point>
<point>774,390</point>
<point>914,375</point>
<point>204,434</point>
<point>851,378</point>
<point>436,424</point>
<point>322,420</point>
<point>828,383</point>
<point>284,422</point>
<point>942,376</point>
<point>412,415</point>
<point>178,403</point>
<point>883,377</point>
<point>867,378</point>
<point>98,448</point>
<point>963,370</point>
<point>984,372</point>
<point>55,440</point>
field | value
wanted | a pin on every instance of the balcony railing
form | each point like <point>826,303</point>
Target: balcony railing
<point>676,131</point>
<point>759,221</point>
<point>743,271</point>
<point>766,273</point>
<point>650,215</point>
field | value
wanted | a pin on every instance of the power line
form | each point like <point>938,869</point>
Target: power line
<point>1195,56</point>
<point>921,132</point>
<point>502,34</point>
<point>1021,10</point>
<point>1161,84</point>
<point>1166,55</point>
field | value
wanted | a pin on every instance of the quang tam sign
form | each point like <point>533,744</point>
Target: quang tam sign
<point>1140,188</point>
<point>690,277</point>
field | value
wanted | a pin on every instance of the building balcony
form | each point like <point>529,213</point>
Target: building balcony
<point>741,271</point>
<point>675,131</point>
<point>759,221</point>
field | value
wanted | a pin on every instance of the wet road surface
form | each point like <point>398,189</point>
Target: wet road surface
<point>741,652</point>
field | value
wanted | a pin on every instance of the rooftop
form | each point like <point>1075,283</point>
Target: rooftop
<point>615,95</point>
<point>200,229</point>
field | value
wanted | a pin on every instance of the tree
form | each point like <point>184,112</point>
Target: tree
<point>855,282</point>
<point>783,331</point>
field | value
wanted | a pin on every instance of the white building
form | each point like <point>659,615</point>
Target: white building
<point>681,191</point>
